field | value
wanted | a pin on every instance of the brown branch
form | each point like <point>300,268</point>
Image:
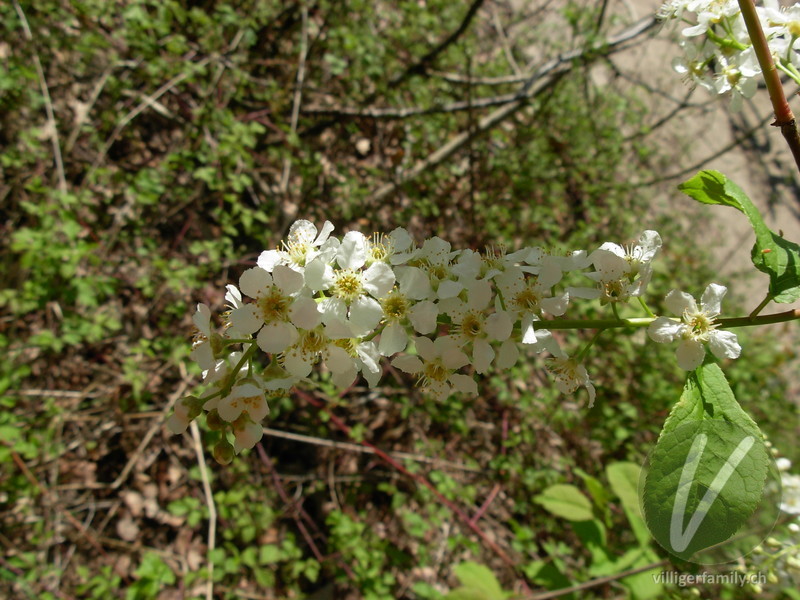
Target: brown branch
<point>421,66</point>
<point>458,511</point>
<point>553,69</point>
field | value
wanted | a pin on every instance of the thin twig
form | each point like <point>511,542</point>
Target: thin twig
<point>595,582</point>
<point>298,95</point>
<point>149,436</point>
<point>458,511</point>
<point>212,509</point>
<point>436,462</point>
<point>553,69</point>
<point>149,100</point>
<point>48,104</point>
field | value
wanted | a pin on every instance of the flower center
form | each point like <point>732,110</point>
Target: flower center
<point>434,371</point>
<point>274,306</point>
<point>526,300</point>
<point>349,344</point>
<point>395,306</point>
<point>347,285</point>
<point>312,342</point>
<point>471,325</point>
<point>700,325</point>
<point>380,248</point>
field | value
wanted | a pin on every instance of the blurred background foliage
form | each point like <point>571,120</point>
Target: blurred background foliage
<point>191,135</point>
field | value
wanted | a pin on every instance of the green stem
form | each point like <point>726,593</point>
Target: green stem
<point>646,308</point>
<point>729,323</point>
<point>761,306</point>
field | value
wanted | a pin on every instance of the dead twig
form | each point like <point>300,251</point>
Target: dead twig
<point>212,509</point>
<point>553,70</point>
<point>48,103</point>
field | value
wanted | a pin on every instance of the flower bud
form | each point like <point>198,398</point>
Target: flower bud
<point>223,452</point>
<point>214,421</point>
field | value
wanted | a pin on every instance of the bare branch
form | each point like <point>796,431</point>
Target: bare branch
<point>553,70</point>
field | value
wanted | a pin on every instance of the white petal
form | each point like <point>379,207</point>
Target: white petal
<point>479,294</point>
<point>255,282</point>
<point>401,239</point>
<point>318,275</point>
<point>724,344</point>
<point>690,354</point>
<point>426,348</point>
<point>203,356</point>
<point>585,293</point>
<point>464,384</point>
<point>550,273</point>
<point>269,258</point>
<point>246,319</point>
<point>408,364</point>
<point>338,360</point>
<point>414,283</point>
<point>423,316</point>
<point>482,356</point>
<point>288,280</point>
<point>507,356</point>
<point>613,248</point>
<point>247,436</point>
<point>499,326</point>
<point>528,332</point>
<point>610,266</point>
<point>233,296</point>
<point>712,298</point>
<point>365,314</point>
<point>449,289</point>
<point>368,353</point>
<point>394,339</point>
<point>344,379</point>
<point>230,408</point>
<point>276,337</point>
<point>297,363</point>
<point>202,319</point>
<point>557,305</point>
<point>649,244</point>
<point>379,279</point>
<point>678,301</point>
<point>664,330</point>
<point>324,234</point>
<point>332,309</point>
<point>352,253</point>
<point>304,313</point>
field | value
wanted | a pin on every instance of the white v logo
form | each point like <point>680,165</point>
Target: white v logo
<point>678,538</point>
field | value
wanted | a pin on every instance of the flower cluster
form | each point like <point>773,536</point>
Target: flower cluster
<point>717,52</point>
<point>355,305</point>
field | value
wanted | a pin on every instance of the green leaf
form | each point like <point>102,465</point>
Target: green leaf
<point>772,254</point>
<point>478,583</point>
<point>565,501</point>
<point>623,477</point>
<point>708,424</point>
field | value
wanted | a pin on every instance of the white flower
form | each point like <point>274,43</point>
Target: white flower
<point>695,328</point>
<point>436,367</point>
<point>315,344</point>
<point>528,297</point>
<point>202,351</point>
<point>474,326</point>
<point>398,310</point>
<point>570,375</point>
<point>354,293</point>
<point>693,66</point>
<point>246,433</point>
<point>245,396</point>
<point>185,411</point>
<point>710,12</point>
<point>302,245</point>
<point>790,493</point>
<point>278,310</point>
<point>621,273</point>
